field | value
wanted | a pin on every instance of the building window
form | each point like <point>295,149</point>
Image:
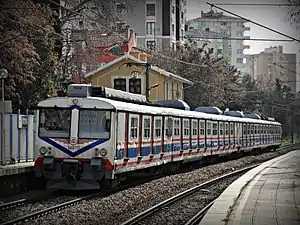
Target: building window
<point>135,85</point>
<point>119,8</point>
<point>173,29</point>
<point>173,9</point>
<point>80,23</point>
<point>223,23</point>
<point>239,60</point>
<point>182,15</point>
<point>182,34</point>
<point>150,28</point>
<point>151,45</point>
<point>239,33</point>
<point>120,84</point>
<point>240,51</point>
<point>150,9</point>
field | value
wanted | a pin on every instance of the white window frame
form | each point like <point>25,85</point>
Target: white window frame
<point>135,117</point>
<point>146,128</point>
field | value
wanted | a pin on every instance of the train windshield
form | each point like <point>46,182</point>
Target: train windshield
<point>55,122</point>
<point>94,124</point>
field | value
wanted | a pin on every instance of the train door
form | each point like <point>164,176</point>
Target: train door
<point>168,138</point>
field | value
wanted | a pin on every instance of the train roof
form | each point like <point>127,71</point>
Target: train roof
<point>105,103</point>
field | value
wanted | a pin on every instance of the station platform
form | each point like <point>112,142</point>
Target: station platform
<point>267,194</point>
<point>18,168</point>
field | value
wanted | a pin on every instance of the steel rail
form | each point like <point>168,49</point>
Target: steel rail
<point>55,208</point>
<point>13,204</point>
<point>195,220</point>
<point>149,212</point>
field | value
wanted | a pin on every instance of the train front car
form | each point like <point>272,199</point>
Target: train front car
<point>75,142</point>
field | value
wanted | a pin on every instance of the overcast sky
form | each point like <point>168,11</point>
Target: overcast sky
<point>272,17</point>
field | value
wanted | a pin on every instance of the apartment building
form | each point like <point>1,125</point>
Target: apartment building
<point>159,24</point>
<point>229,27</point>
<point>214,40</point>
<point>272,64</point>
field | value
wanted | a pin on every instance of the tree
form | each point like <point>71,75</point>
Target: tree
<point>214,79</point>
<point>26,46</point>
<point>294,13</point>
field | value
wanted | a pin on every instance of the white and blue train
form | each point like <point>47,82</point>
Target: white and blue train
<point>90,139</point>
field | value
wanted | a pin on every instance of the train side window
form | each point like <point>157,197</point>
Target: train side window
<point>208,128</point>
<point>195,127</point>
<point>146,127</point>
<point>248,128</point>
<point>221,128</point>
<point>231,128</point>
<point>251,128</point>
<point>157,128</point>
<point>255,129</point>
<point>176,127</point>
<point>244,129</point>
<point>133,127</point>
<point>214,129</point>
<point>202,127</point>
<point>226,129</point>
<point>186,128</point>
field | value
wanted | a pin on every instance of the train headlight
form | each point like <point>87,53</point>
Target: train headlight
<point>103,152</point>
<point>42,150</point>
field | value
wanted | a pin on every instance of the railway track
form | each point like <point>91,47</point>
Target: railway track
<point>52,209</point>
<point>177,202</point>
<point>139,218</point>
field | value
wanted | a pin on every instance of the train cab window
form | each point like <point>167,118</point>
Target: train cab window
<point>176,127</point>
<point>202,128</point>
<point>195,127</point>
<point>146,127</point>
<point>157,128</point>
<point>221,126</point>
<point>186,127</point>
<point>133,127</point>
<point>208,128</point>
<point>214,129</point>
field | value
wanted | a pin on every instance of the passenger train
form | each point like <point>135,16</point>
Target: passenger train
<point>93,138</point>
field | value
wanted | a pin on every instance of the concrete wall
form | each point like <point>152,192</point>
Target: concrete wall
<point>18,138</point>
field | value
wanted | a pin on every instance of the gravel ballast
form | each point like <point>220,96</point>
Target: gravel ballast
<point>121,206</point>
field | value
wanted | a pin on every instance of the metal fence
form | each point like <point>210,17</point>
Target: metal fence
<point>19,139</point>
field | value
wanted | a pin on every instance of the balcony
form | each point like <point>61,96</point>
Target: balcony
<point>246,46</point>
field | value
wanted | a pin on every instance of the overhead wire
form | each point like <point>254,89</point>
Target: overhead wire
<point>251,21</point>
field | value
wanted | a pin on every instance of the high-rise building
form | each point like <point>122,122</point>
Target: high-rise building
<point>272,64</point>
<point>159,24</point>
<point>229,27</point>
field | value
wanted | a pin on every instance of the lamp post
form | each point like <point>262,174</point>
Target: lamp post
<point>3,75</point>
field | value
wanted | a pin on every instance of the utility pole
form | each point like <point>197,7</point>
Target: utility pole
<point>147,66</point>
<point>3,75</point>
